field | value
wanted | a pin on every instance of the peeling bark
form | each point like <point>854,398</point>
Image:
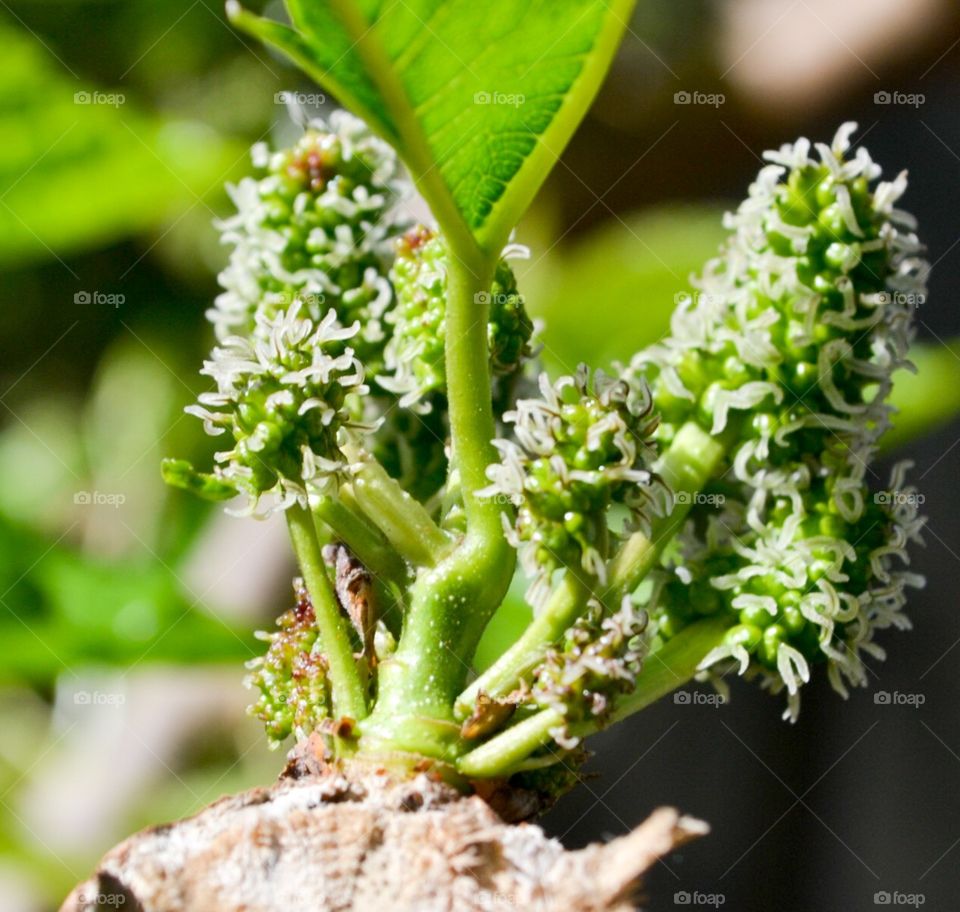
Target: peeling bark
<point>363,839</point>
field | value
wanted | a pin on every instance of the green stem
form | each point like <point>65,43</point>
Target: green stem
<point>561,610</point>
<point>401,518</point>
<point>449,609</point>
<point>467,355</point>
<point>670,667</point>
<point>365,541</point>
<point>686,466</point>
<point>451,604</point>
<point>504,753</point>
<point>345,680</point>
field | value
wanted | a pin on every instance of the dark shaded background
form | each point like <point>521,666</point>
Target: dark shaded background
<point>123,630</point>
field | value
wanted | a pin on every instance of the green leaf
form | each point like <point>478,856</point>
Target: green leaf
<point>179,473</point>
<point>479,98</point>
<point>80,167</point>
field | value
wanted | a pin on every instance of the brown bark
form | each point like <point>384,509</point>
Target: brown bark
<point>332,839</point>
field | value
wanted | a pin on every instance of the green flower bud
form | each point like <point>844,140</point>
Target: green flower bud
<point>415,352</point>
<point>580,448</point>
<point>291,677</point>
<point>316,226</point>
<point>282,399</point>
<point>599,659</point>
<point>789,351</point>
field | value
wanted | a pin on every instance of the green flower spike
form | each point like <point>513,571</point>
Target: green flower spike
<point>317,226</point>
<point>788,352</point>
<point>282,398</point>
<point>291,677</point>
<point>415,353</point>
<point>580,448</point>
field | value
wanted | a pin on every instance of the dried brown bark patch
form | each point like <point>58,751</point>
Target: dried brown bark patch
<point>322,840</point>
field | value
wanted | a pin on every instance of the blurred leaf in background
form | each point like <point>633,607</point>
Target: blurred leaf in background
<point>121,123</point>
<point>611,291</point>
<point>82,166</point>
<point>928,398</point>
<point>91,540</point>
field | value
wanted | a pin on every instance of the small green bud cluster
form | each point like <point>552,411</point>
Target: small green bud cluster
<point>411,442</point>
<point>291,677</point>
<point>282,398</point>
<point>788,352</point>
<point>415,352</point>
<point>580,448</point>
<point>598,660</point>
<point>317,227</point>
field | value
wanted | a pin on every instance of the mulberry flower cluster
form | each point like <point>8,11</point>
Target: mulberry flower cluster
<point>598,660</point>
<point>318,227</point>
<point>580,448</point>
<point>282,397</point>
<point>291,677</point>
<point>415,353</point>
<point>787,353</point>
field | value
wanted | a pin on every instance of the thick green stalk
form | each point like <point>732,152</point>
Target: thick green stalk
<point>401,518</point>
<point>670,667</point>
<point>467,356</point>
<point>686,466</point>
<point>451,603</point>
<point>346,683</point>
<point>417,684</point>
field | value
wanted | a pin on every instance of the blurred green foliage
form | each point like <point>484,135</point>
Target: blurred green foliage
<point>116,148</point>
<point>928,398</point>
<point>631,270</point>
<point>76,611</point>
<point>100,582</point>
<point>83,166</point>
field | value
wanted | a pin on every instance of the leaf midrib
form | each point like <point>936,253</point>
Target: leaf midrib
<point>419,157</point>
